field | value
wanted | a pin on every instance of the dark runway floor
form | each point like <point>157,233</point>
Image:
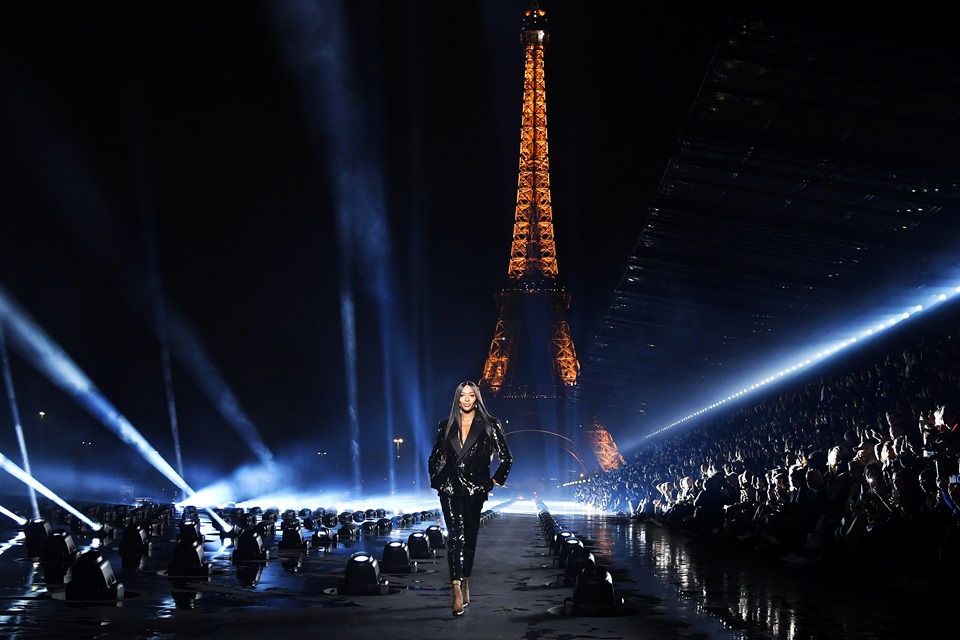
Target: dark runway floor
<point>664,584</point>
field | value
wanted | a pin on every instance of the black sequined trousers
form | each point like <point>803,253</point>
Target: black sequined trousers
<point>462,516</point>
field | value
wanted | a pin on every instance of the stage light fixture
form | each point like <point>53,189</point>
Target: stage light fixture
<point>36,531</point>
<point>435,535</point>
<point>92,578</point>
<point>550,526</point>
<point>190,530</point>
<point>292,537</point>
<point>558,540</point>
<point>243,519</point>
<point>384,524</point>
<point>358,516</point>
<point>58,548</point>
<point>569,544</point>
<point>188,559</point>
<point>330,520</point>
<point>325,536</point>
<point>396,558</point>
<point>57,555</point>
<point>593,594</point>
<point>349,531</point>
<point>135,541</point>
<point>250,547</point>
<point>345,517</point>
<point>266,528</point>
<point>289,522</point>
<point>362,576</point>
<point>579,558</point>
<point>419,546</point>
<point>229,534</point>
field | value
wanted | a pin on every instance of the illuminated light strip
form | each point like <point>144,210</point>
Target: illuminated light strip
<point>824,353</point>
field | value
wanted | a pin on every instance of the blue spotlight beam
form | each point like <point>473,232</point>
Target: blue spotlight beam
<point>350,370</point>
<point>99,236</point>
<point>816,356</point>
<point>191,353</point>
<point>20,520</point>
<point>157,299</point>
<point>313,34</point>
<point>25,477</point>
<point>44,354</point>
<point>17,425</point>
<point>41,352</point>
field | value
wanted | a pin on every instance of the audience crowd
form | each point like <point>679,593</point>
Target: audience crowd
<point>857,468</point>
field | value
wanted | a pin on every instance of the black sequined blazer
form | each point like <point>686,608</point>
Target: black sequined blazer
<point>465,470</point>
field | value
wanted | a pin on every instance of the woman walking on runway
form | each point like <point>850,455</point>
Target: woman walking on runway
<point>459,467</point>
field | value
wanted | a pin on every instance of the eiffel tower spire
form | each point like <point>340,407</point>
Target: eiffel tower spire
<point>532,353</point>
<point>533,254</point>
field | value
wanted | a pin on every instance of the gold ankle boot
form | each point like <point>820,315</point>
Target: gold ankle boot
<point>465,590</point>
<point>457,599</point>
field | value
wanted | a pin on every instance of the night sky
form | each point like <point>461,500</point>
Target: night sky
<point>204,182</point>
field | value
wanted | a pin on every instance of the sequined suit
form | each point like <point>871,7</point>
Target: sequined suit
<point>461,476</point>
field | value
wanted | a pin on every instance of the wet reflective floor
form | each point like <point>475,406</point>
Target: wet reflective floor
<point>666,585</point>
<point>723,589</point>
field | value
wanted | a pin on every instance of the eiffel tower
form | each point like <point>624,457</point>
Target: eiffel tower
<point>532,364</point>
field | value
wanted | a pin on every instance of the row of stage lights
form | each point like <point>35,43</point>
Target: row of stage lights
<point>88,576</point>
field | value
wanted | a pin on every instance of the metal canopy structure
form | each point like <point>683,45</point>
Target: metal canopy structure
<point>814,183</point>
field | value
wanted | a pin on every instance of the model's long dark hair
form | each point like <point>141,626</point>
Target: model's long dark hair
<point>453,422</point>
